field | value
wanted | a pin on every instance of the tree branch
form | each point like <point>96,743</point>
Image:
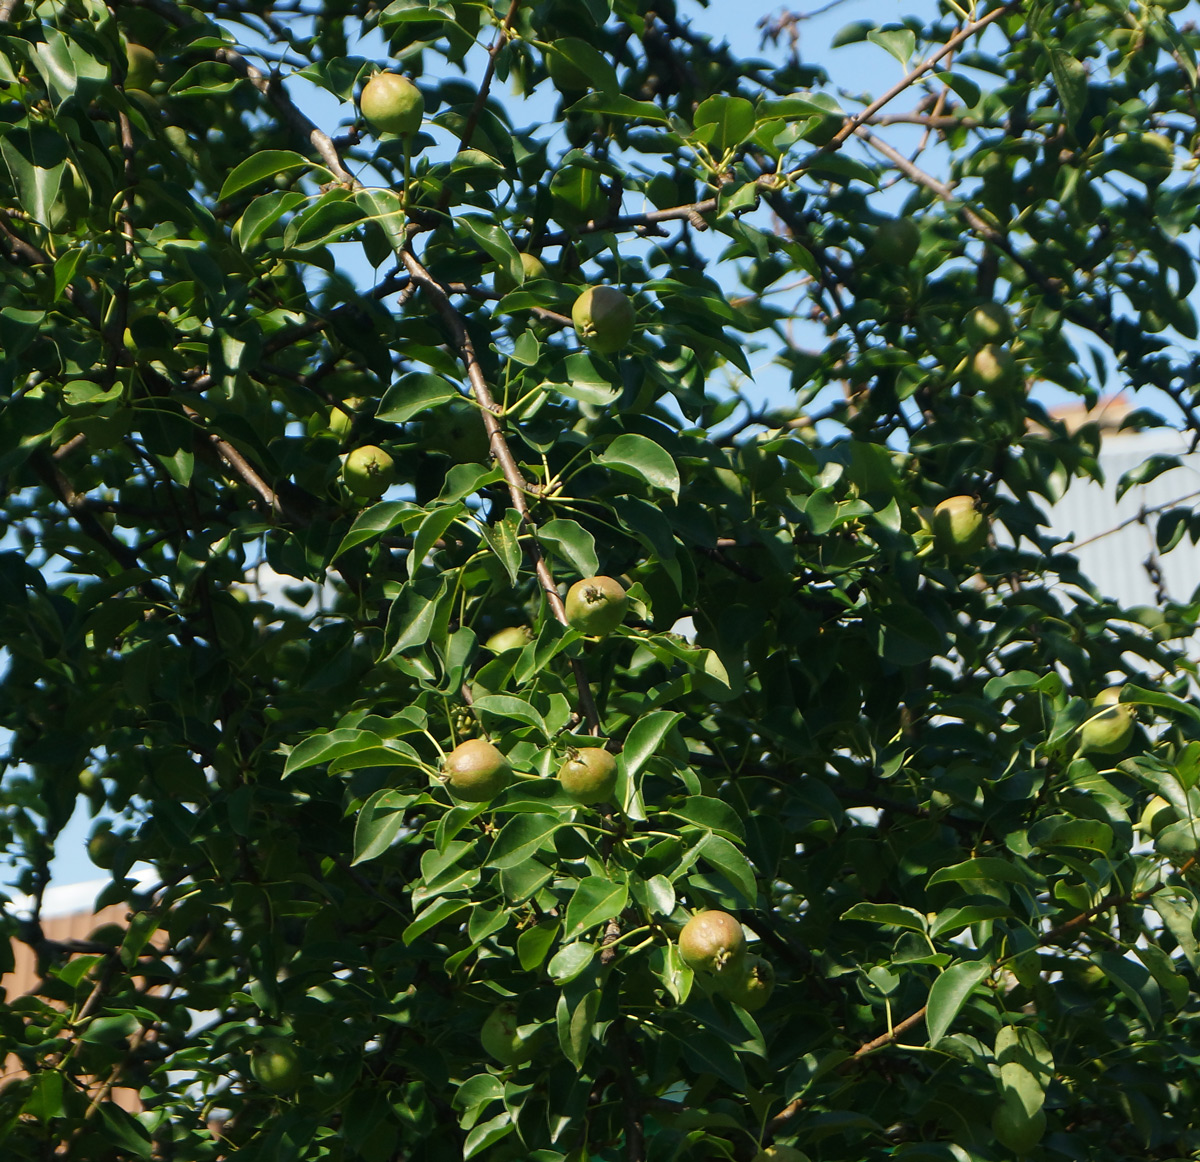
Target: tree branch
<point>518,486</point>
<point>852,123</point>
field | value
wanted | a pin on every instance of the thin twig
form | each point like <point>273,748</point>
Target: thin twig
<point>244,469</point>
<point>502,35</point>
<point>905,82</point>
<point>518,486</point>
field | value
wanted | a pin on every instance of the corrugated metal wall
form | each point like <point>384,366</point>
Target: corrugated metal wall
<point>1116,562</point>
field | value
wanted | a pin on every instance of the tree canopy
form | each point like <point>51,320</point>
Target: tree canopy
<point>370,485</point>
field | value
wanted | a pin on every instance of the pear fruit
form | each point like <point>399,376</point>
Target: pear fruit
<point>1110,730</point>
<point>895,242</point>
<point>596,605</point>
<point>604,319</point>
<point>752,987</point>
<point>513,637</point>
<point>502,1039</point>
<point>1156,815</point>
<point>392,104</point>
<point>533,267</point>
<point>275,1065</point>
<point>991,368</point>
<point>713,943</point>
<point>988,323</point>
<point>958,526</point>
<point>368,472</point>
<point>141,67</point>
<point>475,771</point>
<point>589,776</point>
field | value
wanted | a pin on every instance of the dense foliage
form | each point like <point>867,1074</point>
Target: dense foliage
<point>861,727</point>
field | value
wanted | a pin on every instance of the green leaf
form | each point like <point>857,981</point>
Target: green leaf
<point>642,457</point>
<point>64,271</point>
<point>593,901</point>
<point>125,1131</point>
<point>569,961</point>
<point>493,239</point>
<point>712,814</point>
<point>478,1091</point>
<point>1071,80</point>
<point>893,915</point>
<point>379,822</point>
<point>505,706</point>
<point>965,88</point>
<point>1134,981</point>
<point>323,748</point>
<point>900,42</point>
<point>487,1134</point>
<point>731,120</point>
<point>573,543</point>
<point>534,943</point>
<point>413,393</point>
<point>708,1052</point>
<point>522,838</point>
<point>949,993</point>
<point>983,868</point>
<point>955,919</point>
<point>575,1025</point>
<point>589,62</point>
<point>733,865</point>
<point>373,522</point>
<point>258,167</point>
<point>142,925</point>
<point>262,214</point>
<point>438,911</point>
<point>585,382</point>
<point>1062,831</point>
<point>45,1099</point>
<point>618,106</point>
<point>437,521</point>
<point>646,738</point>
<point>412,618</point>
<point>503,539</point>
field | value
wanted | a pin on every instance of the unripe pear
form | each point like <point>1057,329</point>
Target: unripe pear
<point>752,987</point>
<point>275,1065</point>
<point>475,771</point>
<point>713,942</point>
<point>604,319</point>
<point>513,637</point>
<point>991,368</point>
<point>392,104</point>
<point>1110,730</point>
<point>502,1040</point>
<point>104,846</point>
<point>341,419</point>
<point>368,472</point>
<point>595,605</point>
<point>530,264</point>
<point>988,323</point>
<point>958,526</point>
<point>1158,813</point>
<point>141,66</point>
<point>589,776</point>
